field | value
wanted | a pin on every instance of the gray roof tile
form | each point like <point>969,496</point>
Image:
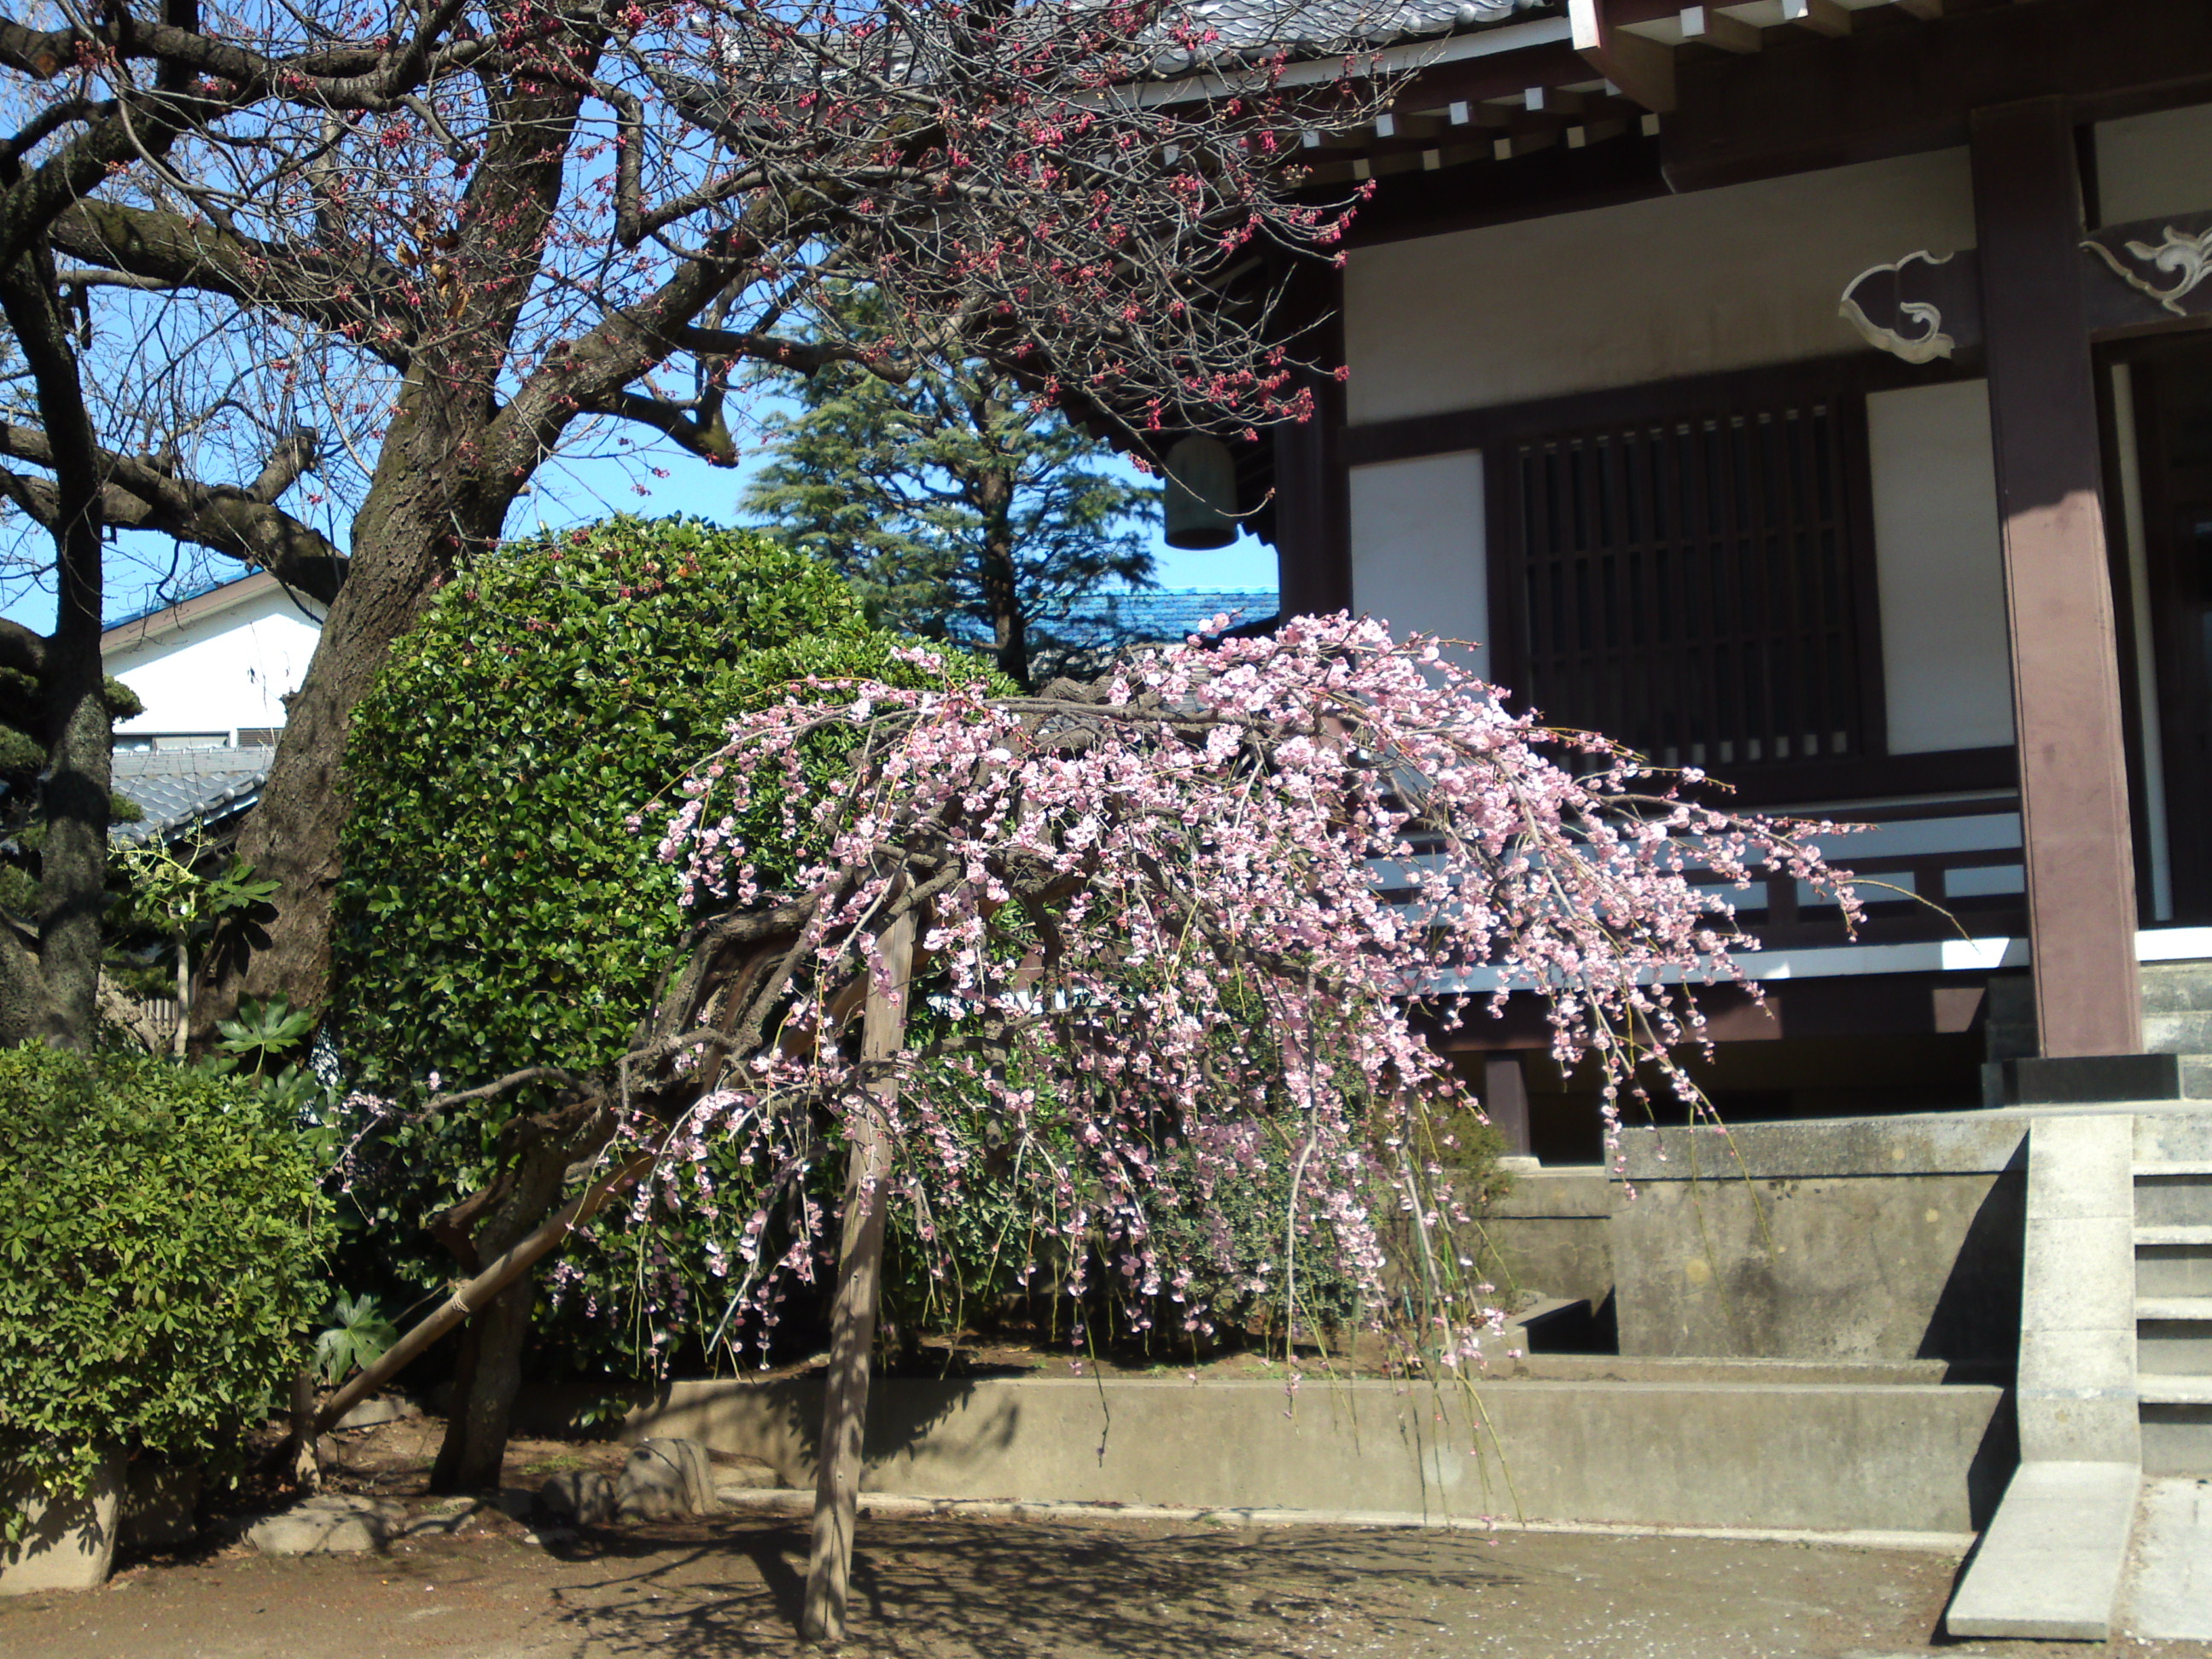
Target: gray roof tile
<point>176,788</point>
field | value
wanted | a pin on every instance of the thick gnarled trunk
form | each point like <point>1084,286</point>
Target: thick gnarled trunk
<point>54,993</point>
<point>420,512</point>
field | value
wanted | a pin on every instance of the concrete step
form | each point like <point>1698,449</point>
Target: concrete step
<point>2192,1309</point>
<point>2050,1564</point>
<point>2174,1390</point>
<point>2166,1270</point>
<point>2176,1434</point>
<point>2175,1192</point>
<point>2146,1238</point>
<point>2196,1077</point>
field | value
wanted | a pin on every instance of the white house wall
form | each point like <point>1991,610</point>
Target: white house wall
<point>1642,291</point>
<point>219,672</point>
<point>1946,673</point>
<point>1417,548</point>
<point>2148,165</point>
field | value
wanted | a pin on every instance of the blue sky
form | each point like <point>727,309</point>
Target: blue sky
<point>150,570</point>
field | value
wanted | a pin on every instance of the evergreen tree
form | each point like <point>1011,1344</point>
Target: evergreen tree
<point>957,508</point>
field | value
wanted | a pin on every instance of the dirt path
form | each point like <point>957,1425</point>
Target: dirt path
<point>983,1589</point>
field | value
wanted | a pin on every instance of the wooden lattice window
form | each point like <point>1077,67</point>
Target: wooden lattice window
<point>1693,585</point>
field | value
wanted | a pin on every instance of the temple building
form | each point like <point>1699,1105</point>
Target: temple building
<point>1817,394</point>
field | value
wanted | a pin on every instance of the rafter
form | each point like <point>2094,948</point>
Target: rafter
<point>1643,68</point>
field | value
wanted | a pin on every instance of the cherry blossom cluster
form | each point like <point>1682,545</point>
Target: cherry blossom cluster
<point>1203,913</point>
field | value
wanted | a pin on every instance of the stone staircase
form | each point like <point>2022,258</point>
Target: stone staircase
<point>2177,998</point>
<point>2173,1189</point>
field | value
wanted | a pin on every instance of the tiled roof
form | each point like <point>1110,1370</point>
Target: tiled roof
<point>1246,25</point>
<point>1106,622</point>
<point>1161,619</point>
<point>177,788</point>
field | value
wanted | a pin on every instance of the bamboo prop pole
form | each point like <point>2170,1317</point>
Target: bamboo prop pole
<point>479,1291</point>
<point>853,1315</point>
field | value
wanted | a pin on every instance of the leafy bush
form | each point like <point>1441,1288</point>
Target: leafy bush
<point>497,908</point>
<point>159,1243</point>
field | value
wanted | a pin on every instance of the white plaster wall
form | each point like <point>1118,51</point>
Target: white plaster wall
<point>1946,671</point>
<point>218,673</point>
<point>1714,280</point>
<point>1417,549</point>
<point>2147,165</point>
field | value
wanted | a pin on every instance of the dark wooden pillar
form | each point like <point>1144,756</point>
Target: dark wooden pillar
<point>2066,688</point>
<point>1506,1101</point>
<point>1313,500</point>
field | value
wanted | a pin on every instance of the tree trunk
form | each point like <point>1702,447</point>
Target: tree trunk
<point>853,1316</point>
<point>76,797</point>
<point>1002,590</point>
<point>498,1334</point>
<point>420,509</point>
<point>484,1390</point>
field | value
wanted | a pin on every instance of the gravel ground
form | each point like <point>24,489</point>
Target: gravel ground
<point>976,1588</point>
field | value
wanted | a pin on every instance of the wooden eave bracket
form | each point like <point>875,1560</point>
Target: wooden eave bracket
<point>1644,69</point>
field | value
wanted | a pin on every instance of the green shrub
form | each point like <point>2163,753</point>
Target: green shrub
<point>160,1248</point>
<point>497,910</point>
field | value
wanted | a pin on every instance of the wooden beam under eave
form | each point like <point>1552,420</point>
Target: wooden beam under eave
<point>1822,16</point>
<point>1643,68</point>
<point>1926,10</point>
<point>1705,27</point>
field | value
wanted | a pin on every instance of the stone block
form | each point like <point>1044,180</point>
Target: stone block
<point>662,1480</point>
<point>2050,1563</point>
<point>2101,1357</point>
<point>2162,1137</point>
<point>586,1497</point>
<point>2091,1079</point>
<point>378,1410</point>
<point>738,1475</point>
<point>2176,987</point>
<point>2082,1166</point>
<point>2179,1032</point>
<point>70,1541</point>
<point>454,1515</point>
<point>333,1524</point>
<point>2079,1425</point>
<point>2079,1271</point>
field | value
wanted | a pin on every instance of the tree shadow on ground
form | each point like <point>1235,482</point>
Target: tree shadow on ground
<point>926,1588</point>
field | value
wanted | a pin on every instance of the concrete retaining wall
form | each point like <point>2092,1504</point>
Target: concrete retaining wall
<point>1848,1239</point>
<point>1828,1456</point>
<point>1552,1234</point>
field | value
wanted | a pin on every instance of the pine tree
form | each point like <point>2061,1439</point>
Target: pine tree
<point>957,506</point>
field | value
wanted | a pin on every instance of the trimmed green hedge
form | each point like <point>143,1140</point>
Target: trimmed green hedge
<point>160,1239</point>
<point>496,909</point>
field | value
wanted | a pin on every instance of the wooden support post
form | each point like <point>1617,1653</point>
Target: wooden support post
<point>1506,1101</point>
<point>1312,504</point>
<point>853,1315</point>
<point>2066,687</point>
